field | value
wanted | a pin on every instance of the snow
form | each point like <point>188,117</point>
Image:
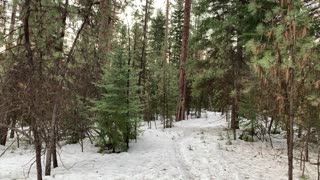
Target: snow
<point>193,149</point>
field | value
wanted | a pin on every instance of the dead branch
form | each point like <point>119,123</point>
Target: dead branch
<point>18,130</point>
<point>6,149</point>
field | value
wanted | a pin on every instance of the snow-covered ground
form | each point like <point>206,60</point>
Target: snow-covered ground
<point>193,149</point>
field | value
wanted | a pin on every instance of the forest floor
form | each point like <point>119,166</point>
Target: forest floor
<point>192,149</point>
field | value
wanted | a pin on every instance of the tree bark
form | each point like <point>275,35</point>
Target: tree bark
<point>166,119</point>
<point>31,68</point>
<point>4,16</point>
<point>27,43</point>
<point>290,132</point>
<point>13,125</point>
<point>37,145</point>
<point>128,90</point>
<point>54,153</point>
<point>3,135</point>
<point>4,131</point>
<point>270,125</point>
<point>142,74</point>
<point>237,64</point>
<point>51,141</point>
<point>180,114</point>
<point>12,24</point>
<point>106,26</point>
<point>306,150</point>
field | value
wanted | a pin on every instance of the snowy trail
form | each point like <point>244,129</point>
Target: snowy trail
<point>154,156</point>
<point>209,153</point>
<point>195,149</point>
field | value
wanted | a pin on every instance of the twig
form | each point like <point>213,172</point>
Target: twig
<point>30,167</point>
<point>29,161</point>
<point>85,20</point>
<point>63,163</point>
<point>7,149</point>
<point>17,130</point>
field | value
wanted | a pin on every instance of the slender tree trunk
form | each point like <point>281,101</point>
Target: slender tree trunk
<point>142,74</point>
<point>27,43</point>
<point>291,96</point>
<point>290,126</point>
<point>31,68</point>
<point>128,91</point>
<point>3,135</point>
<point>51,141</point>
<point>306,151</point>
<point>12,24</point>
<point>4,131</point>
<point>14,121</point>
<point>299,131</point>
<point>270,125</point>
<point>166,122</point>
<point>235,106</point>
<point>37,144</point>
<point>290,88</point>
<point>54,153</point>
<point>180,114</point>
<point>4,16</point>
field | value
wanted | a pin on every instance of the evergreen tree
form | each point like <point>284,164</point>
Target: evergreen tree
<point>176,33</point>
<point>157,33</point>
<point>117,111</point>
<point>282,56</point>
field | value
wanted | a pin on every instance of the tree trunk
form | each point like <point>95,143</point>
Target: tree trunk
<point>290,132</point>
<point>270,125</point>
<point>26,29</point>
<point>180,114</point>
<point>236,87</point>
<point>128,90</point>
<point>306,150</point>
<point>14,121</point>
<point>4,131</point>
<point>54,153</point>
<point>4,16</point>
<point>12,24</point>
<point>142,74</point>
<point>31,68</point>
<point>105,26</point>
<point>299,131</point>
<point>51,141</point>
<point>37,145</point>
<point>3,135</point>
<point>166,119</point>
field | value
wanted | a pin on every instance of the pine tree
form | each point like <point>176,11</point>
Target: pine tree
<point>182,101</point>
<point>117,111</point>
<point>176,33</point>
<point>281,57</point>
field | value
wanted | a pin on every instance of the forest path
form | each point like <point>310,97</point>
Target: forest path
<point>154,156</point>
<point>208,152</point>
<point>192,139</point>
<point>195,149</point>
